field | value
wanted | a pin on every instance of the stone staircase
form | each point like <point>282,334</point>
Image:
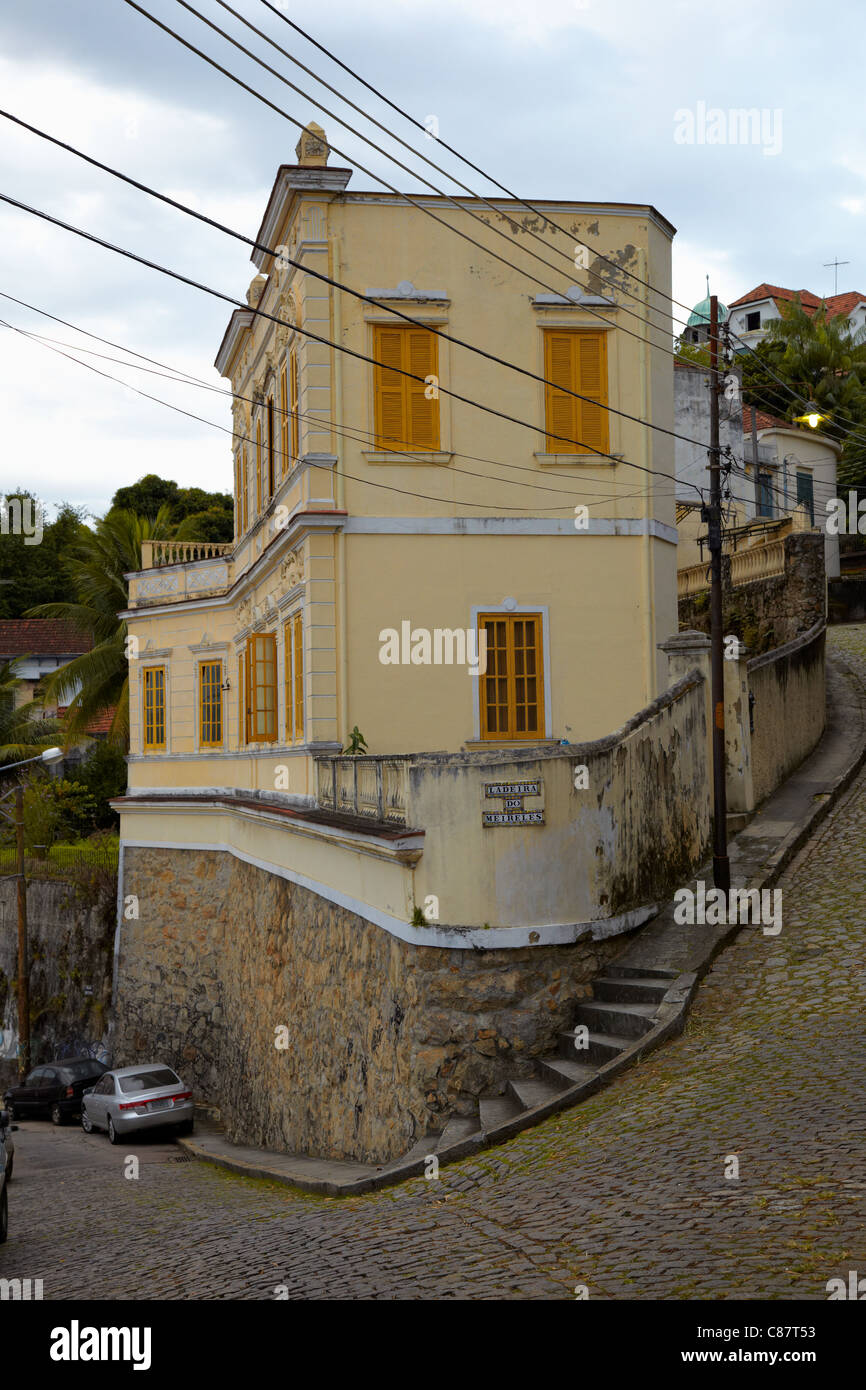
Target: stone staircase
<point>610,1030</point>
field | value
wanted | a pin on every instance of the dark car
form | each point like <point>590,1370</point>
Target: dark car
<point>55,1089</point>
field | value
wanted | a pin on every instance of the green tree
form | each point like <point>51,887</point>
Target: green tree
<point>193,513</point>
<point>821,360</point>
<point>33,573</point>
<point>95,568</point>
<point>104,775</point>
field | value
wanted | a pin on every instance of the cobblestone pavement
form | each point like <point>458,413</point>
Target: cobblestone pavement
<point>626,1195</point>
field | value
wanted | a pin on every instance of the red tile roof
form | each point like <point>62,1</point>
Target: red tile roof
<point>41,637</point>
<point>763,421</point>
<point>836,303</point>
<point>102,723</point>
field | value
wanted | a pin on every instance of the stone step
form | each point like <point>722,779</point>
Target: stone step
<point>562,1069</point>
<point>458,1128</point>
<point>624,989</point>
<point>603,1047</point>
<point>631,1019</point>
<point>532,1091</point>
<point>423,1148</point>
<point>497,1110</point>
<point>632,972</point>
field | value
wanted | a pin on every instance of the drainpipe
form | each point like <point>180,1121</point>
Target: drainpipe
<point>650,642</point>
<point>340,549</point>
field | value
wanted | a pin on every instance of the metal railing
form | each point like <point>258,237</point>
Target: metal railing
<point>59,861</point>
<point>370,787</point>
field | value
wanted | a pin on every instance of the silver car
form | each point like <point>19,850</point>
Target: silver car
<point>130,1099</point>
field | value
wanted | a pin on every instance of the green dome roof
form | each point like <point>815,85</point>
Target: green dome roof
<point>700,315</point>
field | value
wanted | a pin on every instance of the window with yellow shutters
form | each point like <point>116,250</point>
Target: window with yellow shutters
<point>512,688</point>
<point>260,685</point>
<point>293,406</point>
<point>154,707</point>
<point>405,418</point>
<point>284,423</point>
<point>575,360</point>
<point>210,704</point>
<point>258,467</point>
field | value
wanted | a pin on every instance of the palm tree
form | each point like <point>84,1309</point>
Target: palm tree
<point>24,729</point>
<point>822,361</point>
<point>99,679</point>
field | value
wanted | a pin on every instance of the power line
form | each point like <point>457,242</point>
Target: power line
<point>316,337</point>
<point>468,162</point>
<point>354,433</point>
<point>388,487</point>
<point>357,294</point>
<point>407,197</point>
<point>417,153</point>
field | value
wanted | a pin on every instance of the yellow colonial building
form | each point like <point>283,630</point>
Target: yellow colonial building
<point>456,560</point>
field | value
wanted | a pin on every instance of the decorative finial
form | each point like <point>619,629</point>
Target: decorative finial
<point>312,148</point>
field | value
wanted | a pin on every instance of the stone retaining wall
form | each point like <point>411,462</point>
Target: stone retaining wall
<point>385,1039</point>
<point>767,613</point>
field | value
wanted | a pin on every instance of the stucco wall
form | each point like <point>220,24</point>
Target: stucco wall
<point>385,1039</point>
<point>638,826</point>
<point>789,708</point>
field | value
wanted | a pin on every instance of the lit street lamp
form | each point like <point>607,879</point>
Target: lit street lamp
<point>48,755</point>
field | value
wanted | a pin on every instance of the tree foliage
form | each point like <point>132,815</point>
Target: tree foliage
<point>821,360</point>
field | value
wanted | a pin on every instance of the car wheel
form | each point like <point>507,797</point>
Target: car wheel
<point>9,1170</point>
<point>86,1122</point>
<point>113,1136</point>
<point>4,1216</point>
<point>57,1116</point>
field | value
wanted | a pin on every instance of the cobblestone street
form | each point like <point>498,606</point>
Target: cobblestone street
<point>626,1195</point>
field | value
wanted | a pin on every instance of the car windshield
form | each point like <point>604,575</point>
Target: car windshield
<point>82,1071</point>
<point>150,1080</point>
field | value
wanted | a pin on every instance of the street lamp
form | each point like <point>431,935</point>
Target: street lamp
<point>812,416</point>
<point>48,755</point>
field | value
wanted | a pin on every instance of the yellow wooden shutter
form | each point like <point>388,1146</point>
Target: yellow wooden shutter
<point>591,381</point>
<point>559,369</point>
<point>423,414</point>
<point>258,467</point>
<point>284,423</point>
<point>512,689</point>
<point>296,432</point>
<point>391,427</point>
<point>298,664</point>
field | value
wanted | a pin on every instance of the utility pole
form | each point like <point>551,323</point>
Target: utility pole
<point>23,962</point>
<point>721,863</point>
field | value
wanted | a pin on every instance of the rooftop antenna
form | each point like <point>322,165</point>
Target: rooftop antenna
<point>836,264</point>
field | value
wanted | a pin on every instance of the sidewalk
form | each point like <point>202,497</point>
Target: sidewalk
<point>758,854</point>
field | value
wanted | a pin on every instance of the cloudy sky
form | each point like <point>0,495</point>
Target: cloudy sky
<point>575,99</point>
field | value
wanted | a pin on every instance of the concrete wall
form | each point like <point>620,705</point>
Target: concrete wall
<point>692,418</point>
<point>789,708</point>
<point>637,828</point>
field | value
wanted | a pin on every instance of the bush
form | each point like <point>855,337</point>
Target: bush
<point>56,809</point>
<point>103,774</point>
